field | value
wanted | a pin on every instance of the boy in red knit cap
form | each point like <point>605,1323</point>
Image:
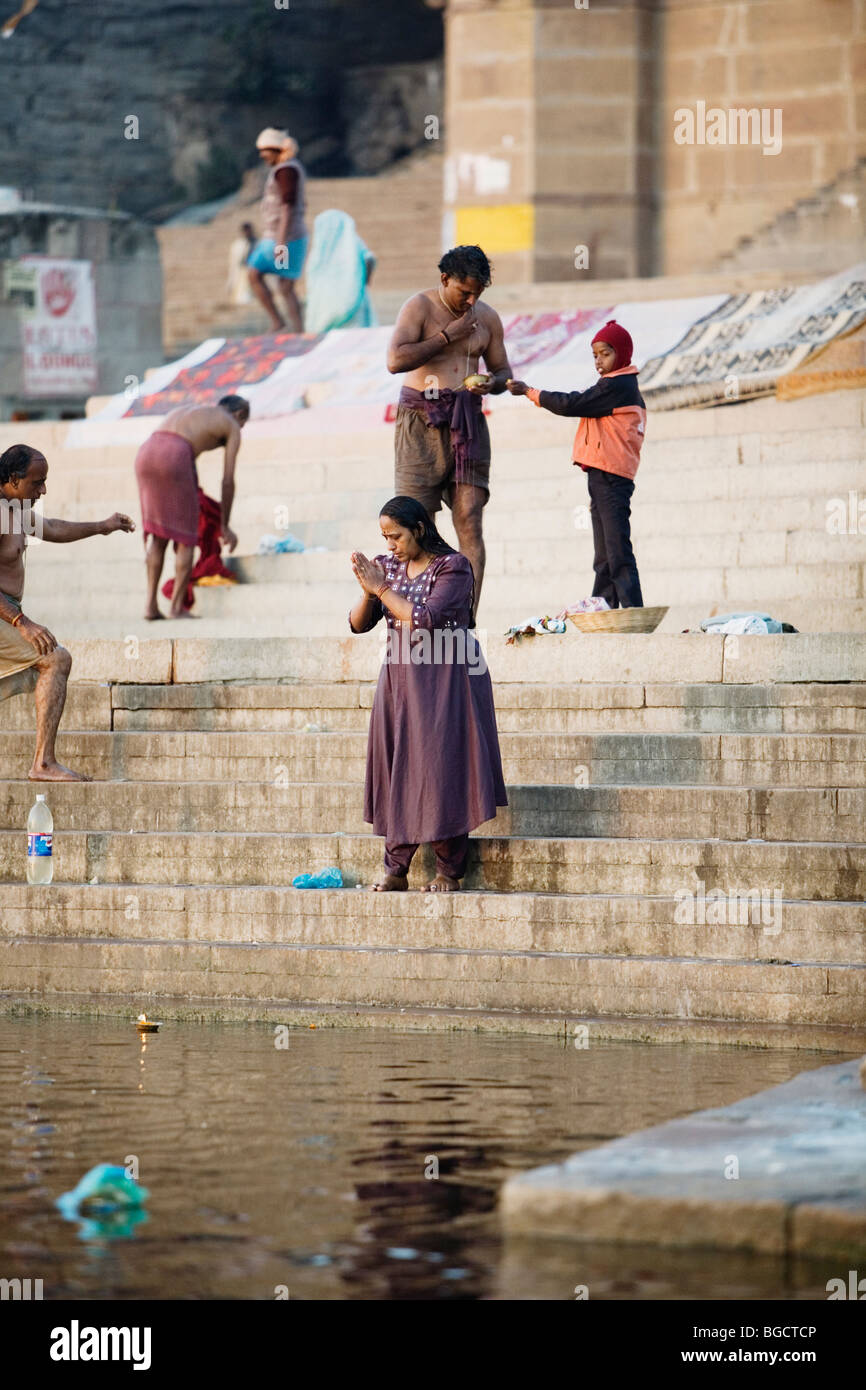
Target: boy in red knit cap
<point>607,447</point>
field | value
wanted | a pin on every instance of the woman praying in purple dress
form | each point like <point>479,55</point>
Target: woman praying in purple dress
<point>433,766</point>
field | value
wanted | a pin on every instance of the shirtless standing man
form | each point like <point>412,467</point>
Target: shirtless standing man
<point>168,487</point>
<point>441,440</point>
<point>30,657</point>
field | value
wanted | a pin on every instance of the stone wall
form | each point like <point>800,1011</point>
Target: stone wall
<point>201,79</point>
<point>565,123</point>
<point>390,112</point>
<point>551,134</point>
<point>806,58</point>
<point>596,165</point>
<point>127,282</point>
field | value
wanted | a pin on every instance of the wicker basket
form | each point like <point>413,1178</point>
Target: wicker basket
<point>619,620</point>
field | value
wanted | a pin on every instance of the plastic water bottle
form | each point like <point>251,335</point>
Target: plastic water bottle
<point>40,841</point>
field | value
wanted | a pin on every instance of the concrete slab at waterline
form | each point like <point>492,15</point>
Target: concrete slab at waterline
<point>783,1172</point>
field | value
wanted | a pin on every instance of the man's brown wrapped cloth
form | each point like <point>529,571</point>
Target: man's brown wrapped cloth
<point>439,442</point>
<point>17,659</point>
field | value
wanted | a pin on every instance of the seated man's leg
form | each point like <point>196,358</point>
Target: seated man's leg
<point>50,695</point>
<point>467,506</point>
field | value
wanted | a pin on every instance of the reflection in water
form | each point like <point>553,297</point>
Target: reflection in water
<point>349,1165</point>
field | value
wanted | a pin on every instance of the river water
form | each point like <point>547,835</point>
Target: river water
<point>344,1165</point>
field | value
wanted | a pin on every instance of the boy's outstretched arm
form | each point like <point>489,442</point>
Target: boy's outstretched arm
<point>597,400</point>
<point>60,532</point>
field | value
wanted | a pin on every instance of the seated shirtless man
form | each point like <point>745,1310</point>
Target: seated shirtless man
<point>168,487</point>
<point>441,440</point>
<point>30,657</point>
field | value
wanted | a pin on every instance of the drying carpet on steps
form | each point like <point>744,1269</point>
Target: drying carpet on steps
<point>700,351</point>
<point>744,346</point>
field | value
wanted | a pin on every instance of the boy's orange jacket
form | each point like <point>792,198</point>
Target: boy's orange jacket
<point>613,421</point>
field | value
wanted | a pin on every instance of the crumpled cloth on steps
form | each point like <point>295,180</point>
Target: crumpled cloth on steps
<point>742,624</point>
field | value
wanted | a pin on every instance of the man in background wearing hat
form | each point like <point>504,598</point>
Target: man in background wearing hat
<point>283,244</point>
<point>607,447</point>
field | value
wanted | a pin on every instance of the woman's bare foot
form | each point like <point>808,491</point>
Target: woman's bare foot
<point>442,884</point>
<point>55,772</point>
<point>391,883</point>
<point>184,613</point>
<point>152,615</point>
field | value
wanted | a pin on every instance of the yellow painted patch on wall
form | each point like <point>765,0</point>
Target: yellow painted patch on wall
<point>497,229</point>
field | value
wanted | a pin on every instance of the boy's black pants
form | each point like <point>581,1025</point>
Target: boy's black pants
<point>616,576</point>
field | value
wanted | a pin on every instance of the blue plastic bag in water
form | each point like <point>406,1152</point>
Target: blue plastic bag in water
<point>328,878</point>
<point>107,1187</point>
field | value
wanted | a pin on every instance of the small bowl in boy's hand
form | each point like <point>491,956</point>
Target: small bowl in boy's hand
<point>517,388</point>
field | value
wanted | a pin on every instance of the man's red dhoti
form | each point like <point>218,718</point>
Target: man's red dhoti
<point>168,487</point>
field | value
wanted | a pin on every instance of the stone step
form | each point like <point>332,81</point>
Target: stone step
<point>847,617</point>
<point>659,481</point>
<point>269,608</point>
<point>670,470</point>
<point>560,759</point>
<point>519,709</point>
<point>236,618</point>
<point>663,708</point>
<point>796,533</point>
<point>660,1187</point>
<point>513,513</point>
<point>728,813</point>
<point>444,977</point>
<point>526,510</point>
<point>574,658</point>
<point>795,423</point>
<point>836,872</point>
<point>617,925</point>
<point>88,707</point>
<point>732,466</point>
<point>566,554</point>
<point>781,432</point>
<point>341,533</point>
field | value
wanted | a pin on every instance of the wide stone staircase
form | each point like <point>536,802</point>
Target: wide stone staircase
<point>627,795</point>
<point>756,505</point>
<point>653,780</point>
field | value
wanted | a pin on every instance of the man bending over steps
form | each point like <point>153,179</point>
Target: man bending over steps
<point>30,658</point>
<point>167,476</point>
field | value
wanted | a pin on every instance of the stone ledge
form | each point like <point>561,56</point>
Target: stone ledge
<point>572,658</point>
<point>785,1144</point>
<point>659,1032</point>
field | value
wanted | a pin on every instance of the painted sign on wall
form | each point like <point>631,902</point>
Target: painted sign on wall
<point>58,329</point>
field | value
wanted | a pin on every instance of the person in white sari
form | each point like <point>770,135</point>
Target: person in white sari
<point>338,274</point>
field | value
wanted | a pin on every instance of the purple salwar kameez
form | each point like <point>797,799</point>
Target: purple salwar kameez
<point>434,770</point>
